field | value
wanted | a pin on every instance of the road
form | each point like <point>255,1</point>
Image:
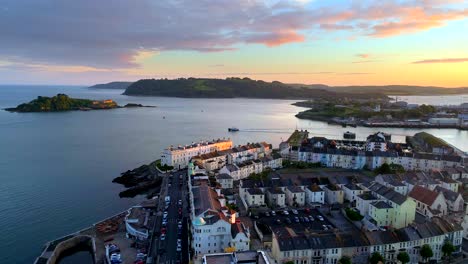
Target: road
<point>165,251</point>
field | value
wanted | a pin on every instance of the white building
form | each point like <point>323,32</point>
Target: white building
<point>295,196</point>
<point>429,203</point>
<point>315,195</point>
<point>179,157</point>
<point>212,222</point>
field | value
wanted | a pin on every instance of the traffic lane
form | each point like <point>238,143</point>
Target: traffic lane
<point>173,214</point>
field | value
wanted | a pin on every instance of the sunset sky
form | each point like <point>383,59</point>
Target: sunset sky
<point>361,42</point>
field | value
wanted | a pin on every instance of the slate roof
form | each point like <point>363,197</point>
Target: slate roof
<point>423,195</point>
<point>224,176</point>
<point>448,194</point>
<point>388,193</point>
<point>381,205</point>
<point>255,191</point>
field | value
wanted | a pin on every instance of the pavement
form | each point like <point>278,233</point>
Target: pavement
<point>165,251</point>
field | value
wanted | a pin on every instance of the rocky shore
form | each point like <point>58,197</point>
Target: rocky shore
<point>142,180</point>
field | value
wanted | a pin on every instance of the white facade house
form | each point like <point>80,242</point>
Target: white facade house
<point>212,222</point>
<point>225,180</point>
<point>295,196</point>
<point>429,203</point>
<point>276,197</point>
<point>351,191</point>
<point>315,195</point>
<point>179,157</point>
<point>254,197</point>
<point>334,194</point>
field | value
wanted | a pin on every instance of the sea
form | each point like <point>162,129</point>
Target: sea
<point>56,169</point>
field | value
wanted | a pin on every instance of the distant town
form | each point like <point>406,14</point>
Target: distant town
<point>382,113</point>
<point>312,200</point>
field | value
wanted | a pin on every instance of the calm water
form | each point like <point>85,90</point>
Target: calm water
<point>435,100</point>
<point>56,168</point>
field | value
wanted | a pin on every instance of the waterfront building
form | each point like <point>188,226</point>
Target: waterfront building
<point>351,191</point>
<point>419,153</point>
<point>139,220</point>
<point>179,157</point>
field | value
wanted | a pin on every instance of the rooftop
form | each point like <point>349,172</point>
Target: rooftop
<point>423,195</point>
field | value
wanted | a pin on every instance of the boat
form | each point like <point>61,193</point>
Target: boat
<point>233,129</point>
<point>113,254</point>
<point>349,135</point>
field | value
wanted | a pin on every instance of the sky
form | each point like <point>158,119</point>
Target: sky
<point>333,42</point>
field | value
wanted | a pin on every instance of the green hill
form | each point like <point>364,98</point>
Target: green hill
<point>234,87</point>
<point>111,85</point>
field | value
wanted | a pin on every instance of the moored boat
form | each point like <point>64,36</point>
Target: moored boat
<point>233,129</point>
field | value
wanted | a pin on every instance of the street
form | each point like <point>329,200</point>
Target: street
<point>165,250</point>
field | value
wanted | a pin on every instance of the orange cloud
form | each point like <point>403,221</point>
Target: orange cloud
<point>447,60</point>
<point>363,55</point>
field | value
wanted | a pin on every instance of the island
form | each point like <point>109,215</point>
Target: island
<point>62,102</point>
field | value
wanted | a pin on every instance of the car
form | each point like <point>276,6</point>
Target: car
<point>285,212</point>
<point>179,231</point>
<point>278,221</point>
<point>296,219</point>
<point>163,230</point>
<point>307,210</point>
<point>320,217</point>
<point>294,211</point>
<point>288,221</point>
<point>179,248</point>
<point>180,202</point>
<point>170,184</point>
<point>179,241</point>
<point>163,237</point>
<point>306,220</point>
<point>165,214</point>
<point>311,218</point>
<point>267,214</point>
<point>273,213</point>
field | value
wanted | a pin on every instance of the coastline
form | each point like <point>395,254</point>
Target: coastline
<point>383,124</point>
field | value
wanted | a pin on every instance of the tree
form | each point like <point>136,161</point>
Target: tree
<point>344,260</point>
<point>376,258</point>
<point>426,252</point>
<point>448,249</point>
<point>403,257</point>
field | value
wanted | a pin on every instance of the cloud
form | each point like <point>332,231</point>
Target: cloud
<point>363,55</point>
<point>122,34</point>
<point>365,61</point>
<point>448,60</point>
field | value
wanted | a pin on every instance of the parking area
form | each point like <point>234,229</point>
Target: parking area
<point>310,219</point>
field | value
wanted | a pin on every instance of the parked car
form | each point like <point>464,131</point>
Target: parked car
<point>285,212</point>
<point>273,213</point>
<point>294,211</point>
<point>296,219</point>
<point>163,237</point>
<point>267,214</point>
<point>288,221</point>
